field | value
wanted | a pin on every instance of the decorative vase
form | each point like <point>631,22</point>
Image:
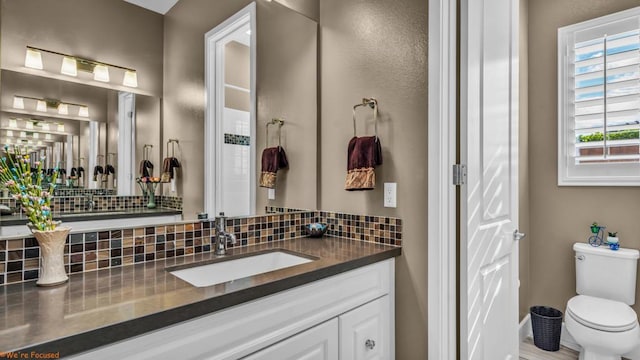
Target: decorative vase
<point>151,193</point>
<point>52,244</point>
<point>152,200</point>
<point>613,239</point>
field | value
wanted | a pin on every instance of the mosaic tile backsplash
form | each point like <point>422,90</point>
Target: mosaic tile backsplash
<point>78,204</point>
<point>64,191</point>
<point>88,251</point>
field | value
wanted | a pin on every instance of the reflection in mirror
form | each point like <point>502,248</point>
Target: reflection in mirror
<point>282,48</point>
<point>230,124</point>
<point>91,123</point>
<point>96,151</point>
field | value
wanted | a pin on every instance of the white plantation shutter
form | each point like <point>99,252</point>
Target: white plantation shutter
<point>599,101</point>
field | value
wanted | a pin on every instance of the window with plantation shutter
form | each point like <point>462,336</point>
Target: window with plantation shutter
<point>599,101</point>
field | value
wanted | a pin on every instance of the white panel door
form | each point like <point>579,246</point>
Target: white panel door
<point>365,332</point>
<point>489,199</point>
<point>317,343</point>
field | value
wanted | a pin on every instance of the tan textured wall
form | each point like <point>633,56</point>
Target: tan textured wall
<point>523,170</point>
<point>110,31</point>
<point>379,48</point>
<point>560,216</point>
<point>183,105</point>
<point>287,88</point>
<point>308,8</point>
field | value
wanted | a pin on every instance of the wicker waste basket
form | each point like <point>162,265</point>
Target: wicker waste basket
<point>547,326</point>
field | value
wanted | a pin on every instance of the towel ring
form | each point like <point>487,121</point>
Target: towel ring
<point>372,103</point>
<point>146,149</point>
<point>279,122</point>
<point>173,143</point>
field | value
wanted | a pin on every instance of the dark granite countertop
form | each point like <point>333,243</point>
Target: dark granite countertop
<point>17,219</point>
<point>101,307</point>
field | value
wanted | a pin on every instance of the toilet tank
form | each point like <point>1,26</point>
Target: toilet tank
<point>605,273</point>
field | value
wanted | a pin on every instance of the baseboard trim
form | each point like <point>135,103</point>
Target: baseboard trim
<point>566,340</point>
<point>525,330</point>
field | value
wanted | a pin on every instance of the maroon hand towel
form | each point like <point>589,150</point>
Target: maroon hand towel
<point>363,154</point>
<point>273,159</point>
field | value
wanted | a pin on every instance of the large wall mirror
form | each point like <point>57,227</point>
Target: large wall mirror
<point>81,125</point>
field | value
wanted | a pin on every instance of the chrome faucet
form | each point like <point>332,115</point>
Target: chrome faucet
<point>222,236</point>
<point>89,204</point>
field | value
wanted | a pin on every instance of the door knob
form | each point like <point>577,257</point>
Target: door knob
<point>517,236</point>
<point>370,344</point>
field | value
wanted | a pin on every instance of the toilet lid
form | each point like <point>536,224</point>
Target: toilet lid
<point>602,314</point>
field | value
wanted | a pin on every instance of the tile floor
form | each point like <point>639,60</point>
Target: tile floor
<point>528,351</point>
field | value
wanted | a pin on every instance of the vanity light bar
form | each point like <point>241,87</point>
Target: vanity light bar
<point>63,109</point>
<point>33,59</point>
<point>42,105</point>
<point>71,64</point>
<point>18,102</point>
<point>83,111</point>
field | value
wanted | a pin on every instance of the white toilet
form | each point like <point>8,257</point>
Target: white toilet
<point>600,318</point>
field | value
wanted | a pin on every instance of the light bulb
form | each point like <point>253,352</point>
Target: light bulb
<point>83,111</point>
<point>45,126</point>
<point>60,127</point>
<point>18,102</point>
<point>48,137</point>
<point>33,59</point>
<point>23,134</point>
<point>101,73</point>
<point>36,135</point>
<point>28,125</point>
<point>8,141</point>
<point>69,66</point>
<point>13,123</point>
<point>63,109</point>
<point>41,106</point>
<point>130,78</point>
<point>9,133</point>
<point>39,143</point>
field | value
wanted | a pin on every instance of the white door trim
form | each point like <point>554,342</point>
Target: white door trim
<point>126,144</point>
<point>442,287</point>
<point>214,103</point>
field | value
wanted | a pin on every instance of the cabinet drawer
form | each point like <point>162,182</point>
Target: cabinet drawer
<point>317,343</point>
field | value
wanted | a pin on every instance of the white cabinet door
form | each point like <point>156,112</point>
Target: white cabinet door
<point>365,332</point>
<point>317,343</point>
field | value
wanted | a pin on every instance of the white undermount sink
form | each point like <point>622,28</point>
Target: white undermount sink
<point>223,271</point>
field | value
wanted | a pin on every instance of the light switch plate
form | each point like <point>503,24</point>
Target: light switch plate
<point>390,190</point>
<point>271,194</point>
